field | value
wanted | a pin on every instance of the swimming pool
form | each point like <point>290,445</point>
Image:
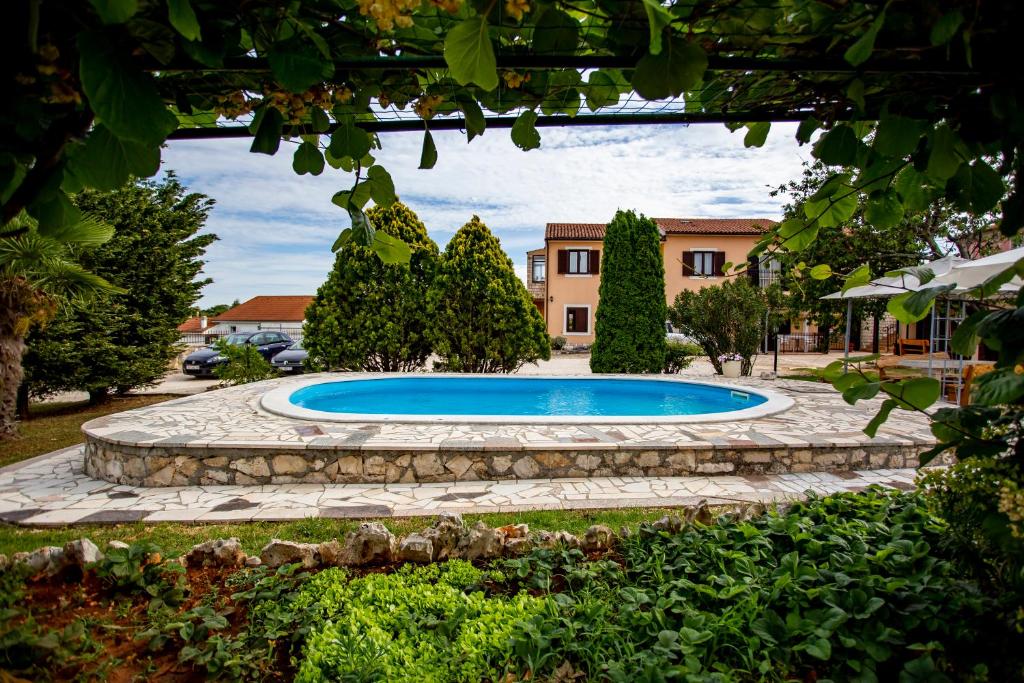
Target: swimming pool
<point>503,399</point>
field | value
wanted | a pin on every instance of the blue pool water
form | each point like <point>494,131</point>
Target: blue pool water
<point>521,396</point>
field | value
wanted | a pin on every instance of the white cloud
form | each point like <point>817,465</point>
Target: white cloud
<point>276,228</point>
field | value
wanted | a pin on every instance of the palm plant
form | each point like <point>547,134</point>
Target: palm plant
<point>38,273</point>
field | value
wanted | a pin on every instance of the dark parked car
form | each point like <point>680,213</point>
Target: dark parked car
<point>204,362</point>
<point>292,359</point>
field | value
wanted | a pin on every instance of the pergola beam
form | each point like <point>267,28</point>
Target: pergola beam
<point>526,61</point>
<point>499,122</point>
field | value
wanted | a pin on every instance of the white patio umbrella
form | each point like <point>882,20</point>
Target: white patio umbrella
<point>884,287</point>
<point>970,274</point>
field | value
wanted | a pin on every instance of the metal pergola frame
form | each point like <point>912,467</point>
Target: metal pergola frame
<point>716,63</point>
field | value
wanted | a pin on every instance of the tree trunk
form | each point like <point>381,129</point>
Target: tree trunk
<point>98,396</point>
<point>23,402</point>
<point>12,348</point>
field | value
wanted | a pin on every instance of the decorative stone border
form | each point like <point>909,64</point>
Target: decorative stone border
<point>278,401</point>
<point>183,466</point>
<point>225,437</point>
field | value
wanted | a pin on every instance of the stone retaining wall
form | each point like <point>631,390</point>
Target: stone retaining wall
<point>182,465</point>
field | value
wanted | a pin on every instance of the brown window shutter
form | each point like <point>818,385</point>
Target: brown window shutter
<point>595,261</point>
<point>687,263</point>
<point>719,260</point>
<point>563,261</point>
<point>585,319</point>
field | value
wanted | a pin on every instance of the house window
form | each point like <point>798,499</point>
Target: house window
<point>703,263</point>
<point>577,319</point>
<point>537,273</point>
<point>579,261</point>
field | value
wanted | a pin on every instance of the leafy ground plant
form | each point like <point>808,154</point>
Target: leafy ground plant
<point>851,587</point>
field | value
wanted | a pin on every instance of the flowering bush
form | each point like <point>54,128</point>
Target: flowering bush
<point>726,357</point>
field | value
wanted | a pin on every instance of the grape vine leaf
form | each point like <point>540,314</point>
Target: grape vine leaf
<point>470,55</point>
<point>308,159</point>
<point>428,157</point>
<point>524,131</point>
<point>123,98</point>
<point>860,51</point>
<point>555,32</point>
<point>115,11</point>
<point>106,162</point>
<point>296,67</point>
<point>266,129</point>
<point>757,133</point>
<point>183,19</point>
<point>678,67</point>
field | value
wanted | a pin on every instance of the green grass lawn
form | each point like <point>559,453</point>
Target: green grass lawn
<point>52,426</point>
<point>175,538</point>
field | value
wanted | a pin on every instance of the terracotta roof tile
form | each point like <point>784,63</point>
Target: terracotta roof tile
<point>190,325</point>
<point>268,308</point>
<point>672,226</point>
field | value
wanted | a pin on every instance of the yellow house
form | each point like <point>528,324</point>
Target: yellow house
<point>564,275</point>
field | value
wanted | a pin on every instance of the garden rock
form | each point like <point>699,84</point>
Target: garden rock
<point>515,530</point>
<point>598,537</point>
<point>223,552</point>
<point>371,543</point>
<point>700,514</point>
<point>81,552</point>
<point>4,562</point>
<point>481,542</point>
<point>117,545</point>
<point>518,546</point>
<point>445,534</point>
<point>332,553</point>
<point>566,539</point>
<point>253,562</point>
<point>415,548</point>
<point>48,559</point>
<point>277,553</point>
<point>671,524</point>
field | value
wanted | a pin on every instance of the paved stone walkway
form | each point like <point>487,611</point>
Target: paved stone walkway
<point>53,490</point>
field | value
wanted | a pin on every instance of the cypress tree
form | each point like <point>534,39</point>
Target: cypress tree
<point>370,315</point>
<point>631,312</point>
<point>482,317</point>
<point>117,342</point>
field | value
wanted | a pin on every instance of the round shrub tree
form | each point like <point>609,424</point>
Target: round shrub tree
<point>629,335</point>
<point>370,315</point>
<point>727,318</point>
<point>482,318</point>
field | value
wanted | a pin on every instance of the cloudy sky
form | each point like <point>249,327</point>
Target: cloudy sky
<point>276,228</point>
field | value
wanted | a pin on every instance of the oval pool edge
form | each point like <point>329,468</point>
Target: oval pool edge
<point>277,401</point>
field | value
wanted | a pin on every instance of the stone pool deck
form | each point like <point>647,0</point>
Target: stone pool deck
<point>53,490</point>
<point>226,438</point>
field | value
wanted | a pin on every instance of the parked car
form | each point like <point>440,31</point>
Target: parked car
<point>292,359</point>
<point>204,362</point>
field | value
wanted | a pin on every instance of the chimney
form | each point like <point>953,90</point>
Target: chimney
<point>202,322</point>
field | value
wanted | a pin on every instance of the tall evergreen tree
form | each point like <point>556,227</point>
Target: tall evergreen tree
<point>629,334</point>
<point>482,318</point>
<point>117,342</point>
<point>370,315</point>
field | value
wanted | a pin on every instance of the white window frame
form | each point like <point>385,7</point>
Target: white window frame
<point>543,262</point>
<point>697,276</point>
<point>565,320</point>
<point>568,265</point>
